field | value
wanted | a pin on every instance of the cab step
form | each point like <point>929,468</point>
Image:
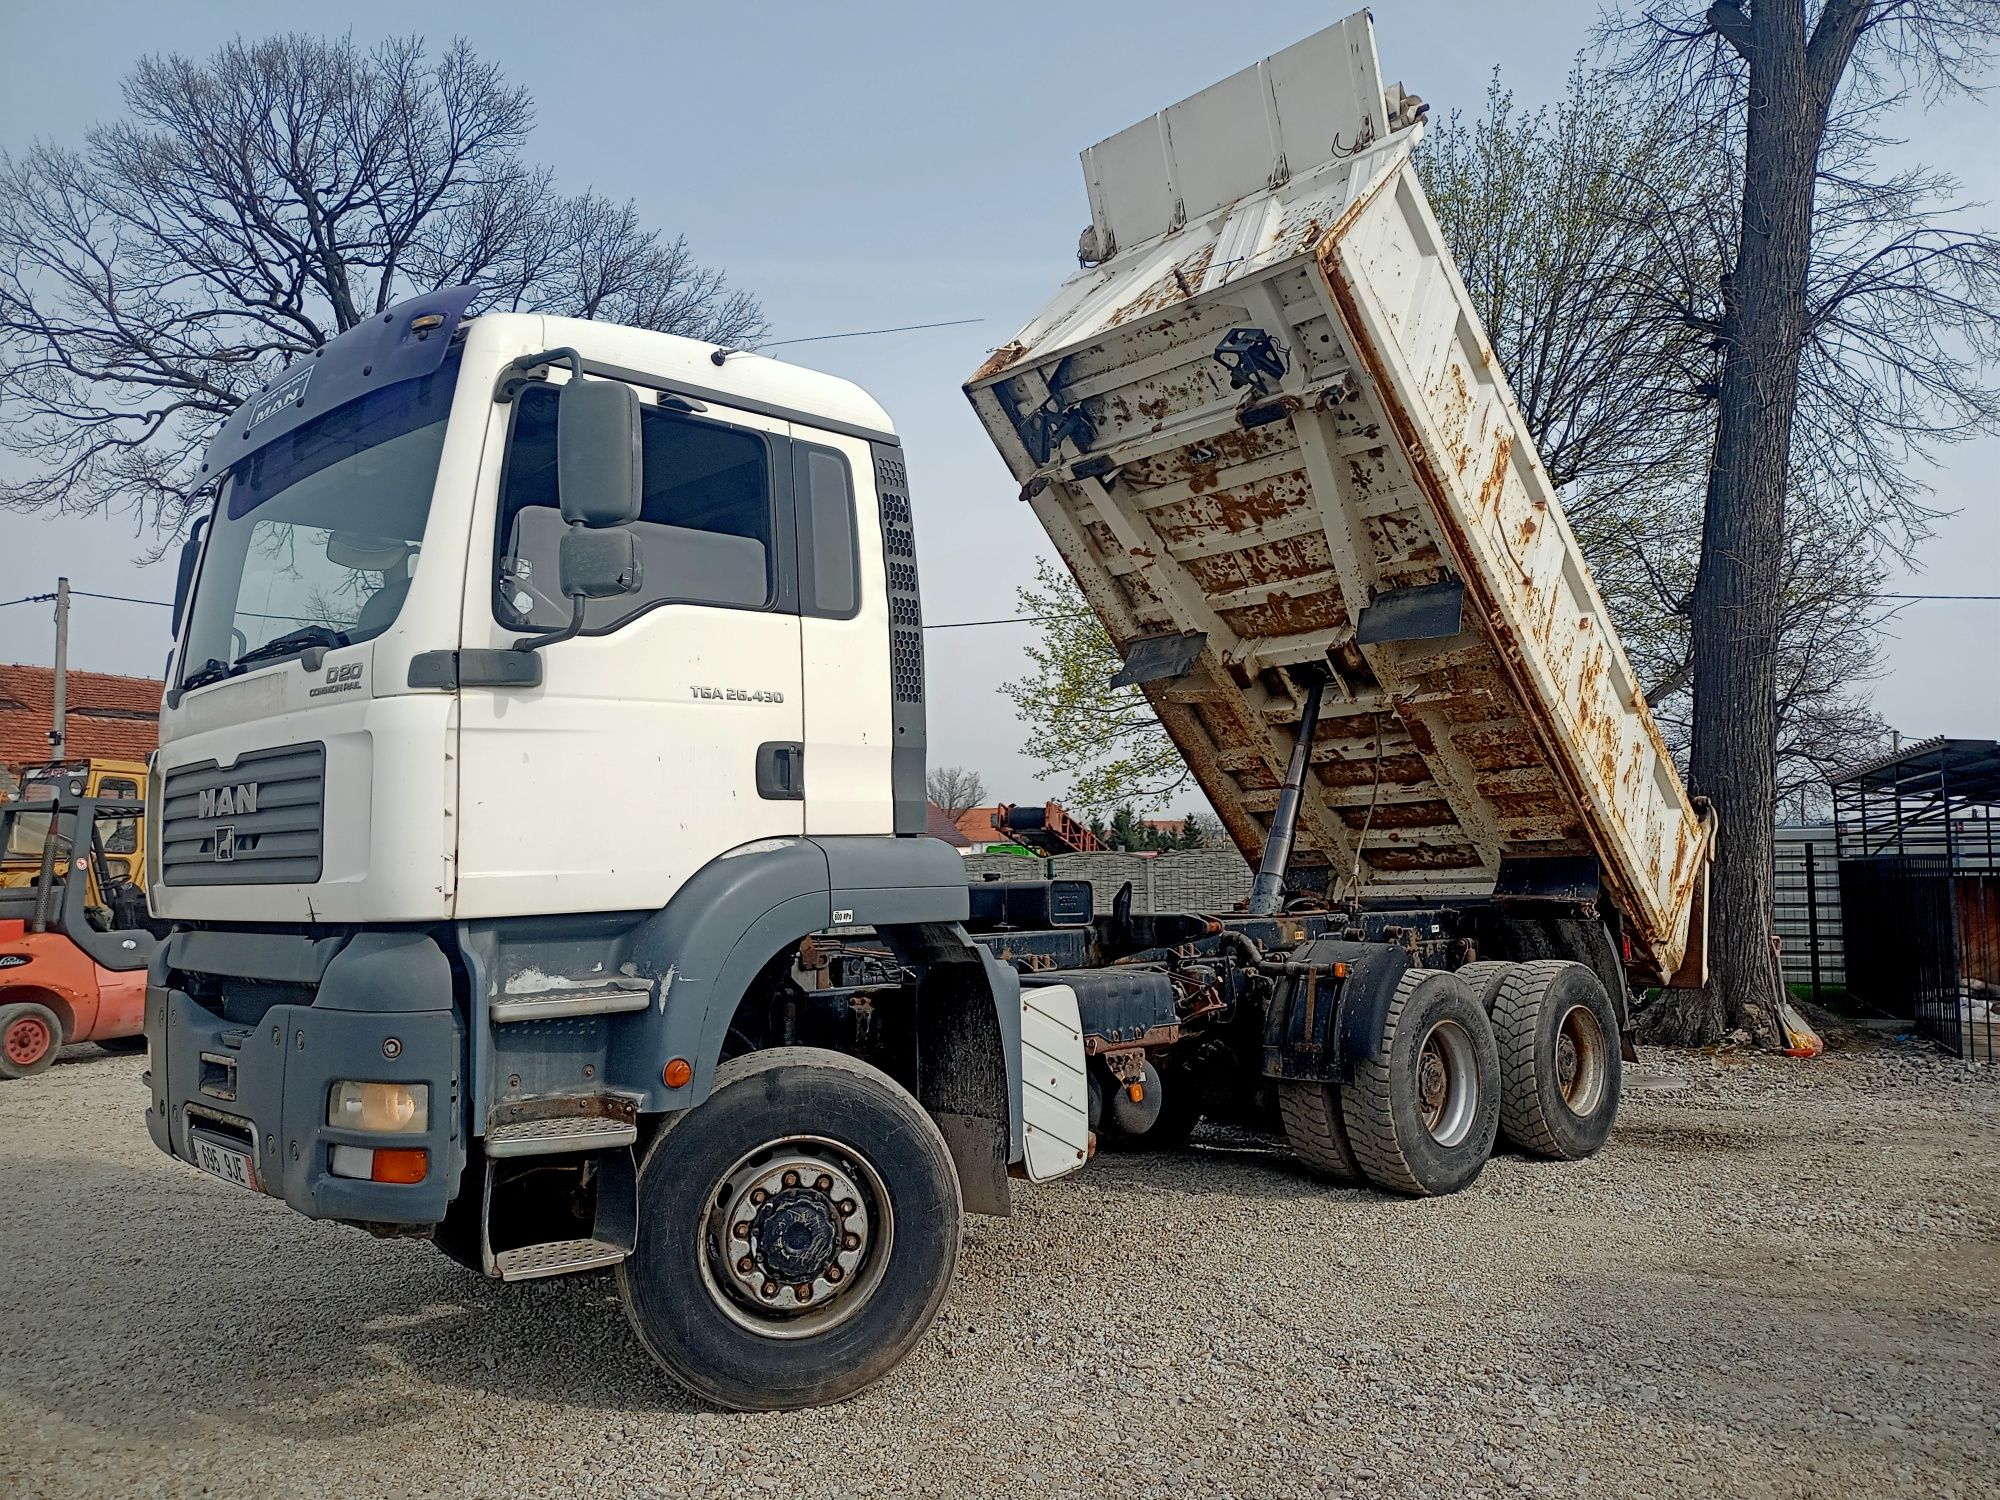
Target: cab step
<point>609,997</point>
<point>556,1258</point>
<point>559,1137</point>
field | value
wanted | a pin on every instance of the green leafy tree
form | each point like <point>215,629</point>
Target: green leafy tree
<point>1106,740</point>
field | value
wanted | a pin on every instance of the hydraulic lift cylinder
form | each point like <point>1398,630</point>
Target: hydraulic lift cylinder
<point>1267,891</point>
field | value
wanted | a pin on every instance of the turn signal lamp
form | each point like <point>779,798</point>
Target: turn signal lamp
<point>389,1108</point>
<point>397,1164</point>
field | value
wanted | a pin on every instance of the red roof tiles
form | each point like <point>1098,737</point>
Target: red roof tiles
<point>114,718</point>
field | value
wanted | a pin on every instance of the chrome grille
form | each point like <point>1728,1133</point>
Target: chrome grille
<point>209,835</point>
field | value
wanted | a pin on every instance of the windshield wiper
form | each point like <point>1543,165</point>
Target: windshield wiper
<point>305,637</point>
<point>212,670</point>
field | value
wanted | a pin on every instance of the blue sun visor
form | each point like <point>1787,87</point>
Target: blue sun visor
<point>407,342</point>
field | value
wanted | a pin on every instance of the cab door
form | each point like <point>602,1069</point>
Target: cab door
<point>671,729</point>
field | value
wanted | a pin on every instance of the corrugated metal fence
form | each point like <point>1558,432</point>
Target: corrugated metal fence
<point>1806,908</point>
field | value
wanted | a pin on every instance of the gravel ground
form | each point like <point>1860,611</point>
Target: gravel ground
<point>1778,1279</point>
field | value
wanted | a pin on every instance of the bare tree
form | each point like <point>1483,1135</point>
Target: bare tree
<point>1851,322</point>
<point>955,791</point>
<point>1593,236</point>
<point>253,205</point>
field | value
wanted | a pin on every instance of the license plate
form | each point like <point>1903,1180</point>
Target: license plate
<point>220,1159</point>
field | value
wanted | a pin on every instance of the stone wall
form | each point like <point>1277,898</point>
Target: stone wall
<point>1185,880</point>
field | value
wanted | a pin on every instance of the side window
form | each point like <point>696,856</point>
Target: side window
<point>829,557</point>
<point>705,530</point>
<point>120,834</point>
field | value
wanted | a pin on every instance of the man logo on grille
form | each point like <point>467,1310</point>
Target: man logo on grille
<point>227,801</point>
<point>225,844</point>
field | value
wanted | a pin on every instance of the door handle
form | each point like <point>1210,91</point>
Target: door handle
<point>781,771</point>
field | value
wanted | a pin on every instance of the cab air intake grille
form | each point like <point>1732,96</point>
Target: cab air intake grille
<point>899,552</point>
<point>906,640</point>
<point>258,823</point>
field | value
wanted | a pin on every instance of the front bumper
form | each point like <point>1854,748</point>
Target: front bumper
<point>262,1085</point>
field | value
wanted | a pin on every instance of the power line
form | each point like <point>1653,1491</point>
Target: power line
<point>1003,620</point>
<point>940,625</point>
<point>87,594</point>
<point>864,333</point>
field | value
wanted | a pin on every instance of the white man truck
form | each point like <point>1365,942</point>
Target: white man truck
<point>540,802</point>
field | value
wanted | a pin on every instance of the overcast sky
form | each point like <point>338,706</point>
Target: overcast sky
<point>858,166</point>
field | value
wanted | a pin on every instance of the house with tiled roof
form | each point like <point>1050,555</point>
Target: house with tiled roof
<point>109,717</point>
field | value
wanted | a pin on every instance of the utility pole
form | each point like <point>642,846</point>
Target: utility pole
<point>59,731</point>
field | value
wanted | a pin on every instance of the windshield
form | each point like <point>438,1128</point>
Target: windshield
<point>26,833</point>
<point>316,538</point>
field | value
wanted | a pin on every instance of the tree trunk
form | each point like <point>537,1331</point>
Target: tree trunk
<point>1737,593</point>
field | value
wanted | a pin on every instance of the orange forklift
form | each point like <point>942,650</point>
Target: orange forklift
<point>75,937</point>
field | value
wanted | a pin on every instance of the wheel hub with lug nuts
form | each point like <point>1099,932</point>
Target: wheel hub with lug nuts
<point>1582,1059</point>
<point>1447,1083</point>
<point>800,1230</point>
<point>27,1040</point>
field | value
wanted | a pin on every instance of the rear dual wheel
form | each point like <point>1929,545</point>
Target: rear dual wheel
<point>1421,1116</point>
<point>1560,1068</point>
<point>1423,1113</point>
<point>30,1037</point>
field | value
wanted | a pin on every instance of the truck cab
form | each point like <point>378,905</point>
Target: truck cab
<point>540,687</point>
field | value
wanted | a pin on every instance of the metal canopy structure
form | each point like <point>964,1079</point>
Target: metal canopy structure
<point>1918,833</point>
<point>1911,796</point>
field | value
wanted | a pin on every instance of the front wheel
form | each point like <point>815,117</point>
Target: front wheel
<point>798,1232</point>
<point>30,1037</point>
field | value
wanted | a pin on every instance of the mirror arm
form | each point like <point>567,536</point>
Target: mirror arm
<point>514,374</point>
<point>575,627</point>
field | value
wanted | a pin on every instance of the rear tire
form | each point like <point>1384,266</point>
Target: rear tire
<point>1316,1132</point>
<point>30,1037</point>
<point>1423,1115</point>
<point>802,1169</point>
<point>1483,980</point>
<point>1560,1069</point>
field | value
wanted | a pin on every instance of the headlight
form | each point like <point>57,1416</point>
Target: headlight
<point>384,1107</point>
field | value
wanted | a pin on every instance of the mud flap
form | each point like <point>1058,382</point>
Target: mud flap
<point>1055,1124</point>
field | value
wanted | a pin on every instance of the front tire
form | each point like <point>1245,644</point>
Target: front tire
<point>1561,1073</point>
<point>30,1037</point>
<point>798,1232</point>
<point>1423,1114</point>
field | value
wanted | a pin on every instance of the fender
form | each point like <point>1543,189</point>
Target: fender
<point>724,925</point>
<point>1316,1026</point>
<point>703,949</point>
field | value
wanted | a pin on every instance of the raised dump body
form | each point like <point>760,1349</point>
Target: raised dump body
<point>1268,435</point>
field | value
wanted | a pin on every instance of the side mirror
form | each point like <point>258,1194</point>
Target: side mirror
<point>599,472</point>
<point>184,578</point>
<point>599,564</point>
<point>600,484</point>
